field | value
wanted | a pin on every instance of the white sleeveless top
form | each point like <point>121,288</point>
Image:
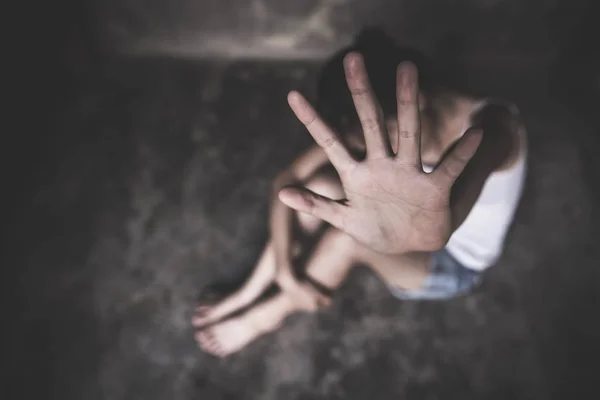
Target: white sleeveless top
<point>479,240</point>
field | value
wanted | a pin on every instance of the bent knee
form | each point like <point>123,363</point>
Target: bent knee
<point>327,186</point>
<point>340,241</point>
<point>323,185</point>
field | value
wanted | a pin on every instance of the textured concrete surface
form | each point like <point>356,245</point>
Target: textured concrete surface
<point>147,182</point>
<point>314,28</point>
<point>167,193</point>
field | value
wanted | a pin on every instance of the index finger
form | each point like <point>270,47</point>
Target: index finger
<point>323,135</point>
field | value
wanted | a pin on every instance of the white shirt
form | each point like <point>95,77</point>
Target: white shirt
<point>479,240</point>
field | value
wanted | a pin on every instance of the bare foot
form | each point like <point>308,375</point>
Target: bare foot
<point>230,336</point>
<point>207,314</point>
<point>262,276</point>
<point>306,296</point>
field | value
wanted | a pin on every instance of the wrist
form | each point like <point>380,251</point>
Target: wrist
<point>286,279</point>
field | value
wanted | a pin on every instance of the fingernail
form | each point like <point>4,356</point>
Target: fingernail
<point>352,60</point>
<point>403,77</point>
<point>294,97</point>
<point>406,71</point>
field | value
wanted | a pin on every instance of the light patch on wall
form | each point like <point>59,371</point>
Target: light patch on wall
<point>270,34</point>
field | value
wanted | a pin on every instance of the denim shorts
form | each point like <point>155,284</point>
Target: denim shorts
<point>448,278</point>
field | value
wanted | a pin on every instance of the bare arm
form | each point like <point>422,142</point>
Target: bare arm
<point>281,214</point>
<point>499,145</point>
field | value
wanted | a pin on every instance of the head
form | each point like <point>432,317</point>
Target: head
<point>444,112</point>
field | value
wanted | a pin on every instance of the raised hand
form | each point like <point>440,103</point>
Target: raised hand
<point>392,205</point>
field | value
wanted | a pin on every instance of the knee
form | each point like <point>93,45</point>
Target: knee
<point>326,186</point>
<point>338,241</point>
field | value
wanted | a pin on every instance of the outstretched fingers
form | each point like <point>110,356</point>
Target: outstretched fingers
<point>367,107</point>
<point>304,200</point>
<point>455,161</point>
<point>407,97</point>
<point>323,135</point>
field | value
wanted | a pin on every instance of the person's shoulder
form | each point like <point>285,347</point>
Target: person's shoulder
<point>502,118</point>
<point>517,134</point>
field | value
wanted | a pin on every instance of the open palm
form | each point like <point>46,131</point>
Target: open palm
<point>392,205</point>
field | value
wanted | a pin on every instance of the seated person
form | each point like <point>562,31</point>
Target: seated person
<point>421,188</point>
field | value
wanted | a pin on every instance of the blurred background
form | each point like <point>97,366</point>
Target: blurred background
<point>136,172</point>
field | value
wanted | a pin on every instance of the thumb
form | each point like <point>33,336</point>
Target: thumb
<point>457,158</point>
<point>303,200</point>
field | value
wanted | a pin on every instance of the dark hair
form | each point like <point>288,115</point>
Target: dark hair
<point>381,56</point>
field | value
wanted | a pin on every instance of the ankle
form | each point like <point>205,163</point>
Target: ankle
<point>287,282</point>
<point>307,298</point>
<point>244,298</point>
<point>264,321</point>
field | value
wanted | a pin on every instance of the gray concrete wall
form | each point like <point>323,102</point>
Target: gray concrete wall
<point>279,29</point>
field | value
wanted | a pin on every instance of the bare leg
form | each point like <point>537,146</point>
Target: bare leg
<point>329,265</point>
<point>262,276</point>
<point>334,253</point>
<point>265,271</point>
<point>230,336</point>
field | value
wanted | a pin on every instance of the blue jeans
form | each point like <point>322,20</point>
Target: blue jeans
<point>448,278</point>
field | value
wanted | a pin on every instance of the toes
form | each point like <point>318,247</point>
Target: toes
<point>216,346</point>
<point>201,316</point>
<point>202,310</point>
<point>198,322</point>
<point>209,343</point>
<point>203,341</point>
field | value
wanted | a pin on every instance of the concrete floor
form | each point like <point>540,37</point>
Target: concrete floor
<point>151,185</point>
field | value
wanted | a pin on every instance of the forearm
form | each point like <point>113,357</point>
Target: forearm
<point>282,216</point>
<point>280,225</point>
